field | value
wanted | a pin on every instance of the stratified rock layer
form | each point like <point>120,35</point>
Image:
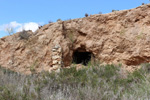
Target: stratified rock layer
<point>117,37</point>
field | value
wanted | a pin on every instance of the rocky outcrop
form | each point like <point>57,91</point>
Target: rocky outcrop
<point>56,58</point>
<point>117,37</point>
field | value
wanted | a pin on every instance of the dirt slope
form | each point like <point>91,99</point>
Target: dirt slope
<point>117,37</point>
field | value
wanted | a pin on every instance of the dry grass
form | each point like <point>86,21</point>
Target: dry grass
<point>95,82</point>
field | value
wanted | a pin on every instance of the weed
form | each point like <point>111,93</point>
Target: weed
<point>96,82</point>
<point>86,15</point>
<point>59,20</point>
<point>24,35</point>
<point>33,66</point>
<point>50,22</point>
<point>100,13</point>
<point>9,29</point>
<point>122,32</point>
<point>138,36</point>
<point>70,35</point>
<point>114,10</point>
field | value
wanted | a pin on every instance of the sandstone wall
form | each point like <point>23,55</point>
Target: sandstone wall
<point>117,37</point>
<point>56,58</point>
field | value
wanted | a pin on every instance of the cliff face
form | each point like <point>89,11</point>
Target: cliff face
<point>117,37</point>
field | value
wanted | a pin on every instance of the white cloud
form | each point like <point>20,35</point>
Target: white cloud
<point>1,27</point>
<point>14,24</point>
<point>28,26</point>
<point>20,26</point>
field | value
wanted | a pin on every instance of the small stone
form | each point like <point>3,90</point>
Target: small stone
<point>10,62</point>
<point>59,50</point>
<point>55,62</point>
<point>55,67</point>
<point>53,49</point>
<point>50,70</point>
<point>55,57</point>
<point>57,46</point>
<point>59,62</point>
<point>55,53</point>
<point>58,70</point>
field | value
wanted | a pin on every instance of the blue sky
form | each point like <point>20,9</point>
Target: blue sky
<point>26,14</point>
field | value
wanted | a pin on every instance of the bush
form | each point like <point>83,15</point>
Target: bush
<point>86,15</point>
<point>100,13</point>
<point>97,82</point>
<point>114,10</point>
<point>24,35</point>
<point>50,22</point>
<point>59,20</point>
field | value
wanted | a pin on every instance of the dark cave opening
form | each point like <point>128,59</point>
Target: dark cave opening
<point>81,57</point>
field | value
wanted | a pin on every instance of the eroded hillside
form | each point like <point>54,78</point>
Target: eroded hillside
<point>117,37</point>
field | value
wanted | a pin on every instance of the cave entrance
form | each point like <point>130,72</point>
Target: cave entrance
<point>81,57</point>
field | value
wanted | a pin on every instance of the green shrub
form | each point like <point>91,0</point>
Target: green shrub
<point>86,15</point>
<point>24,35</point>
<point>59,20</point>
<point>114,10</point>
<point>6,94</point>
<point>96,82</point>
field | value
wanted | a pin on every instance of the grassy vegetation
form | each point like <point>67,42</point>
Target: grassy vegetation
<point>94,82</point>
<point>24,35</point>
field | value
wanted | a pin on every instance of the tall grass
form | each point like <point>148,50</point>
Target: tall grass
<point>95,82</point>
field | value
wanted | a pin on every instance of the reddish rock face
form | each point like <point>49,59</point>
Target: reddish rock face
<point>117,37</point>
